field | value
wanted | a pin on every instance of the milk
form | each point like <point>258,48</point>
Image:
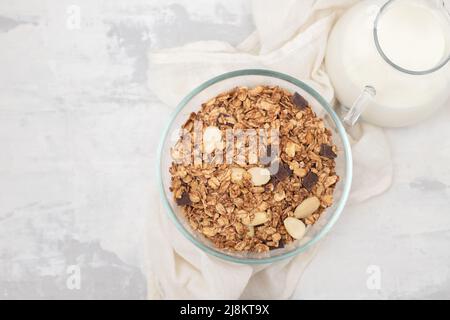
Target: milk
<point>413,36</point>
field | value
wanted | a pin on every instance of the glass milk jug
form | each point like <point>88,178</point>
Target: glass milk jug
<point>388,60</point>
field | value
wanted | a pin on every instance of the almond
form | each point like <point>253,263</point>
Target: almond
<point>237,174</point>
<point>307,207</point>
<point>260,217</point>
<point>294,227</point>
<point>260,176</point>
<point>212,138</point>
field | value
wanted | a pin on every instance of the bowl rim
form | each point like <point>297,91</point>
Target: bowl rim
<point>348,166</point>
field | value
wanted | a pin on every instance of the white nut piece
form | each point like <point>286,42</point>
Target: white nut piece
<point>307,208</point>
<point>279,196</point>
<point>296,228</point>
<point>260,176</point>
<point>260,217</point>
<point>290,149</point>
<point>237,174</point>
<point>251,231</point>
<point>301,172</point>
<point>212,138</point>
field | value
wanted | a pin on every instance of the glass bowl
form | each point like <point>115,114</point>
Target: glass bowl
<point>250,78</point>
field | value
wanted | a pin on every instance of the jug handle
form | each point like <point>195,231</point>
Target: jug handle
<point>359,105</point>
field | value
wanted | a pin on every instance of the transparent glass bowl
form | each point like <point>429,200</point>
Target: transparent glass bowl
<point>250,78</point>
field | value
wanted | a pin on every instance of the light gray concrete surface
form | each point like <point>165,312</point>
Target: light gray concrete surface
<point>77,147</point>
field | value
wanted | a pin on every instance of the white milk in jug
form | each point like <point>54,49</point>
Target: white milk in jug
<point>407,70</point>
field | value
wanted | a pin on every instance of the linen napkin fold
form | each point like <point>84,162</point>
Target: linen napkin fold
<point>290,37</point>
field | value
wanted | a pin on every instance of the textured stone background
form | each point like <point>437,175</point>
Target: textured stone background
<point>78,132</point>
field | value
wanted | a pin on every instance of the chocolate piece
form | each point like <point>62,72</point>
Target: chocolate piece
<point>327,151</point>
<point>281,245</point>
<point>184,200</point>
<point>274,181</point>
<point>269,186</point>
<point>310,180</point>
<point>283,172</point>
<point>299,101</point>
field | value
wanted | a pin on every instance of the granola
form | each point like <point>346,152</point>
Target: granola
<point>233,198</point>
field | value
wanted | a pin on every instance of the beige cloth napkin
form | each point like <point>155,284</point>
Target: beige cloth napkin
<point>290,37</point>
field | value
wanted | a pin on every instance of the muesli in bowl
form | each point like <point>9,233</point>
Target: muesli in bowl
<point>253,168</point>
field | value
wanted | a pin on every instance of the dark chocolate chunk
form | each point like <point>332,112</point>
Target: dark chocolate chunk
<point>283,172</point>
<point>184,200</point>
<point>274,181</point>
<point>327,151</point>
<point>310,180</point>
<point>299,101</point>
<point>269,187</point>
